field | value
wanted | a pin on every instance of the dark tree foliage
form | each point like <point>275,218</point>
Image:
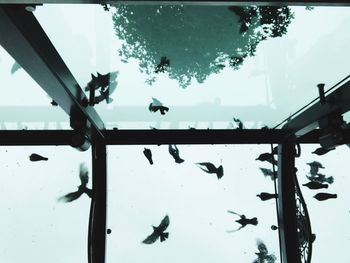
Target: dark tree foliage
<point>197,40</point>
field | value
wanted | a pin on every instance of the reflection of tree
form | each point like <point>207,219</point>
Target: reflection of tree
<point>198,40</point>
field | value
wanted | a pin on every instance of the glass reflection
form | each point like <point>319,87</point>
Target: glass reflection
<point>23,103</point>
<point>209,65</point>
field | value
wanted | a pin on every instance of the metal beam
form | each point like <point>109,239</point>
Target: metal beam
<point>286,203</point>
<point>98,210</point>
<point>337,102</point>
<point>25,40</point>
<point>134,137</point>
<point>200,2</point>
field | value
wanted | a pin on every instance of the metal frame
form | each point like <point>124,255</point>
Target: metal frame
<point>25,40</point>
<point>154,137</point>
<point>23,37</point>
<point>192,2</point>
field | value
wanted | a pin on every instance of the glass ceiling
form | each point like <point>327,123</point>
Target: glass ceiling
<point>197,204</point>
<point>23,103</point>
<point>207,64</point>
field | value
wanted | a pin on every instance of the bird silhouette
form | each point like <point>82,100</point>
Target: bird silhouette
<point>243,221</point>
<point>36,157</point>
<point>314,167</point>
<point>211,169</point>
<point>84,179</point>
<point>239,123</point>
<point>315,185</point>
<point>322,151</point>
<point>267,157</point>
<point>158,232</point>
<point>263,254</point>
<point>106,83</point>
<point>156,105</point>
<point>324,196</point>
<point>147,152</point>
<point>54,103</point>
<point>320,178</point>
<point>162,66</point>
<point>101,81</point>
<point>266,196</point>
<point>268,173</point>
<point>174,151</point>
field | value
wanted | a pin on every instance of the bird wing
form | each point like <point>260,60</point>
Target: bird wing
<point>164,223</point>
<point>229,211</point>
<point>70,197</point>
<point>151,238</point>
<point>156,102</point>
<point>266,172</point>
<point>92,83</point>
<point>83,174</point>
<point>231,231</point>
<point>210,167</point>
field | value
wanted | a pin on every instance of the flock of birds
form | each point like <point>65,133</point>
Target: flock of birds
<point>106,84</point>
<point>316,181</point>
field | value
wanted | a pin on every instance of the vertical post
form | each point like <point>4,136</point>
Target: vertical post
<point>286,203</point>
<point>98,210</point>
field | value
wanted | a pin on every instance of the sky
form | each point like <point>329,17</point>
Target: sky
<point>280,78</point>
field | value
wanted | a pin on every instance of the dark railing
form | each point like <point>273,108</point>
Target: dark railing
<point>303,225</point>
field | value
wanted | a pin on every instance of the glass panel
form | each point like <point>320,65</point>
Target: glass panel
<point>35,226</point>
<point>208,64</point>
<point>329,218</point>
<point>140,195</point>
<point>23,103</point>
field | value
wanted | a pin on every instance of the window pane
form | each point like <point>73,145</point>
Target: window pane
<point>35,226</point>
<point>23,103</point>
<point>257,64</point>
<point>140,195</point>
<point>329,218</point>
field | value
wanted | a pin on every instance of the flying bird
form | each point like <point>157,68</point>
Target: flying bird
<point>268,173</point>
<point>147,152</point>
<point>266,196</point>
<point>84,179</point>
<point>263,254</point>
<point>101,81</point>
<point>211,169</point>
<point>314,167</point>
<point>320,178</point>
<point>162,66</point>
<point>158,232</point>
<point>54,103</point>
<point>174,151</point>
<point>322,151</point>
<point>267,157</point>
<point>106,83</point>
<point>156,105</point>
<point>315,185</point>
<point>243,221</point>
<point>324,196</point>
<point>36,157</point>
<point>239,123</point>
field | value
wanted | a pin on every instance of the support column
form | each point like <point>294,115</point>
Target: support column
<point>286,203</point>
<point>98,211</point>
